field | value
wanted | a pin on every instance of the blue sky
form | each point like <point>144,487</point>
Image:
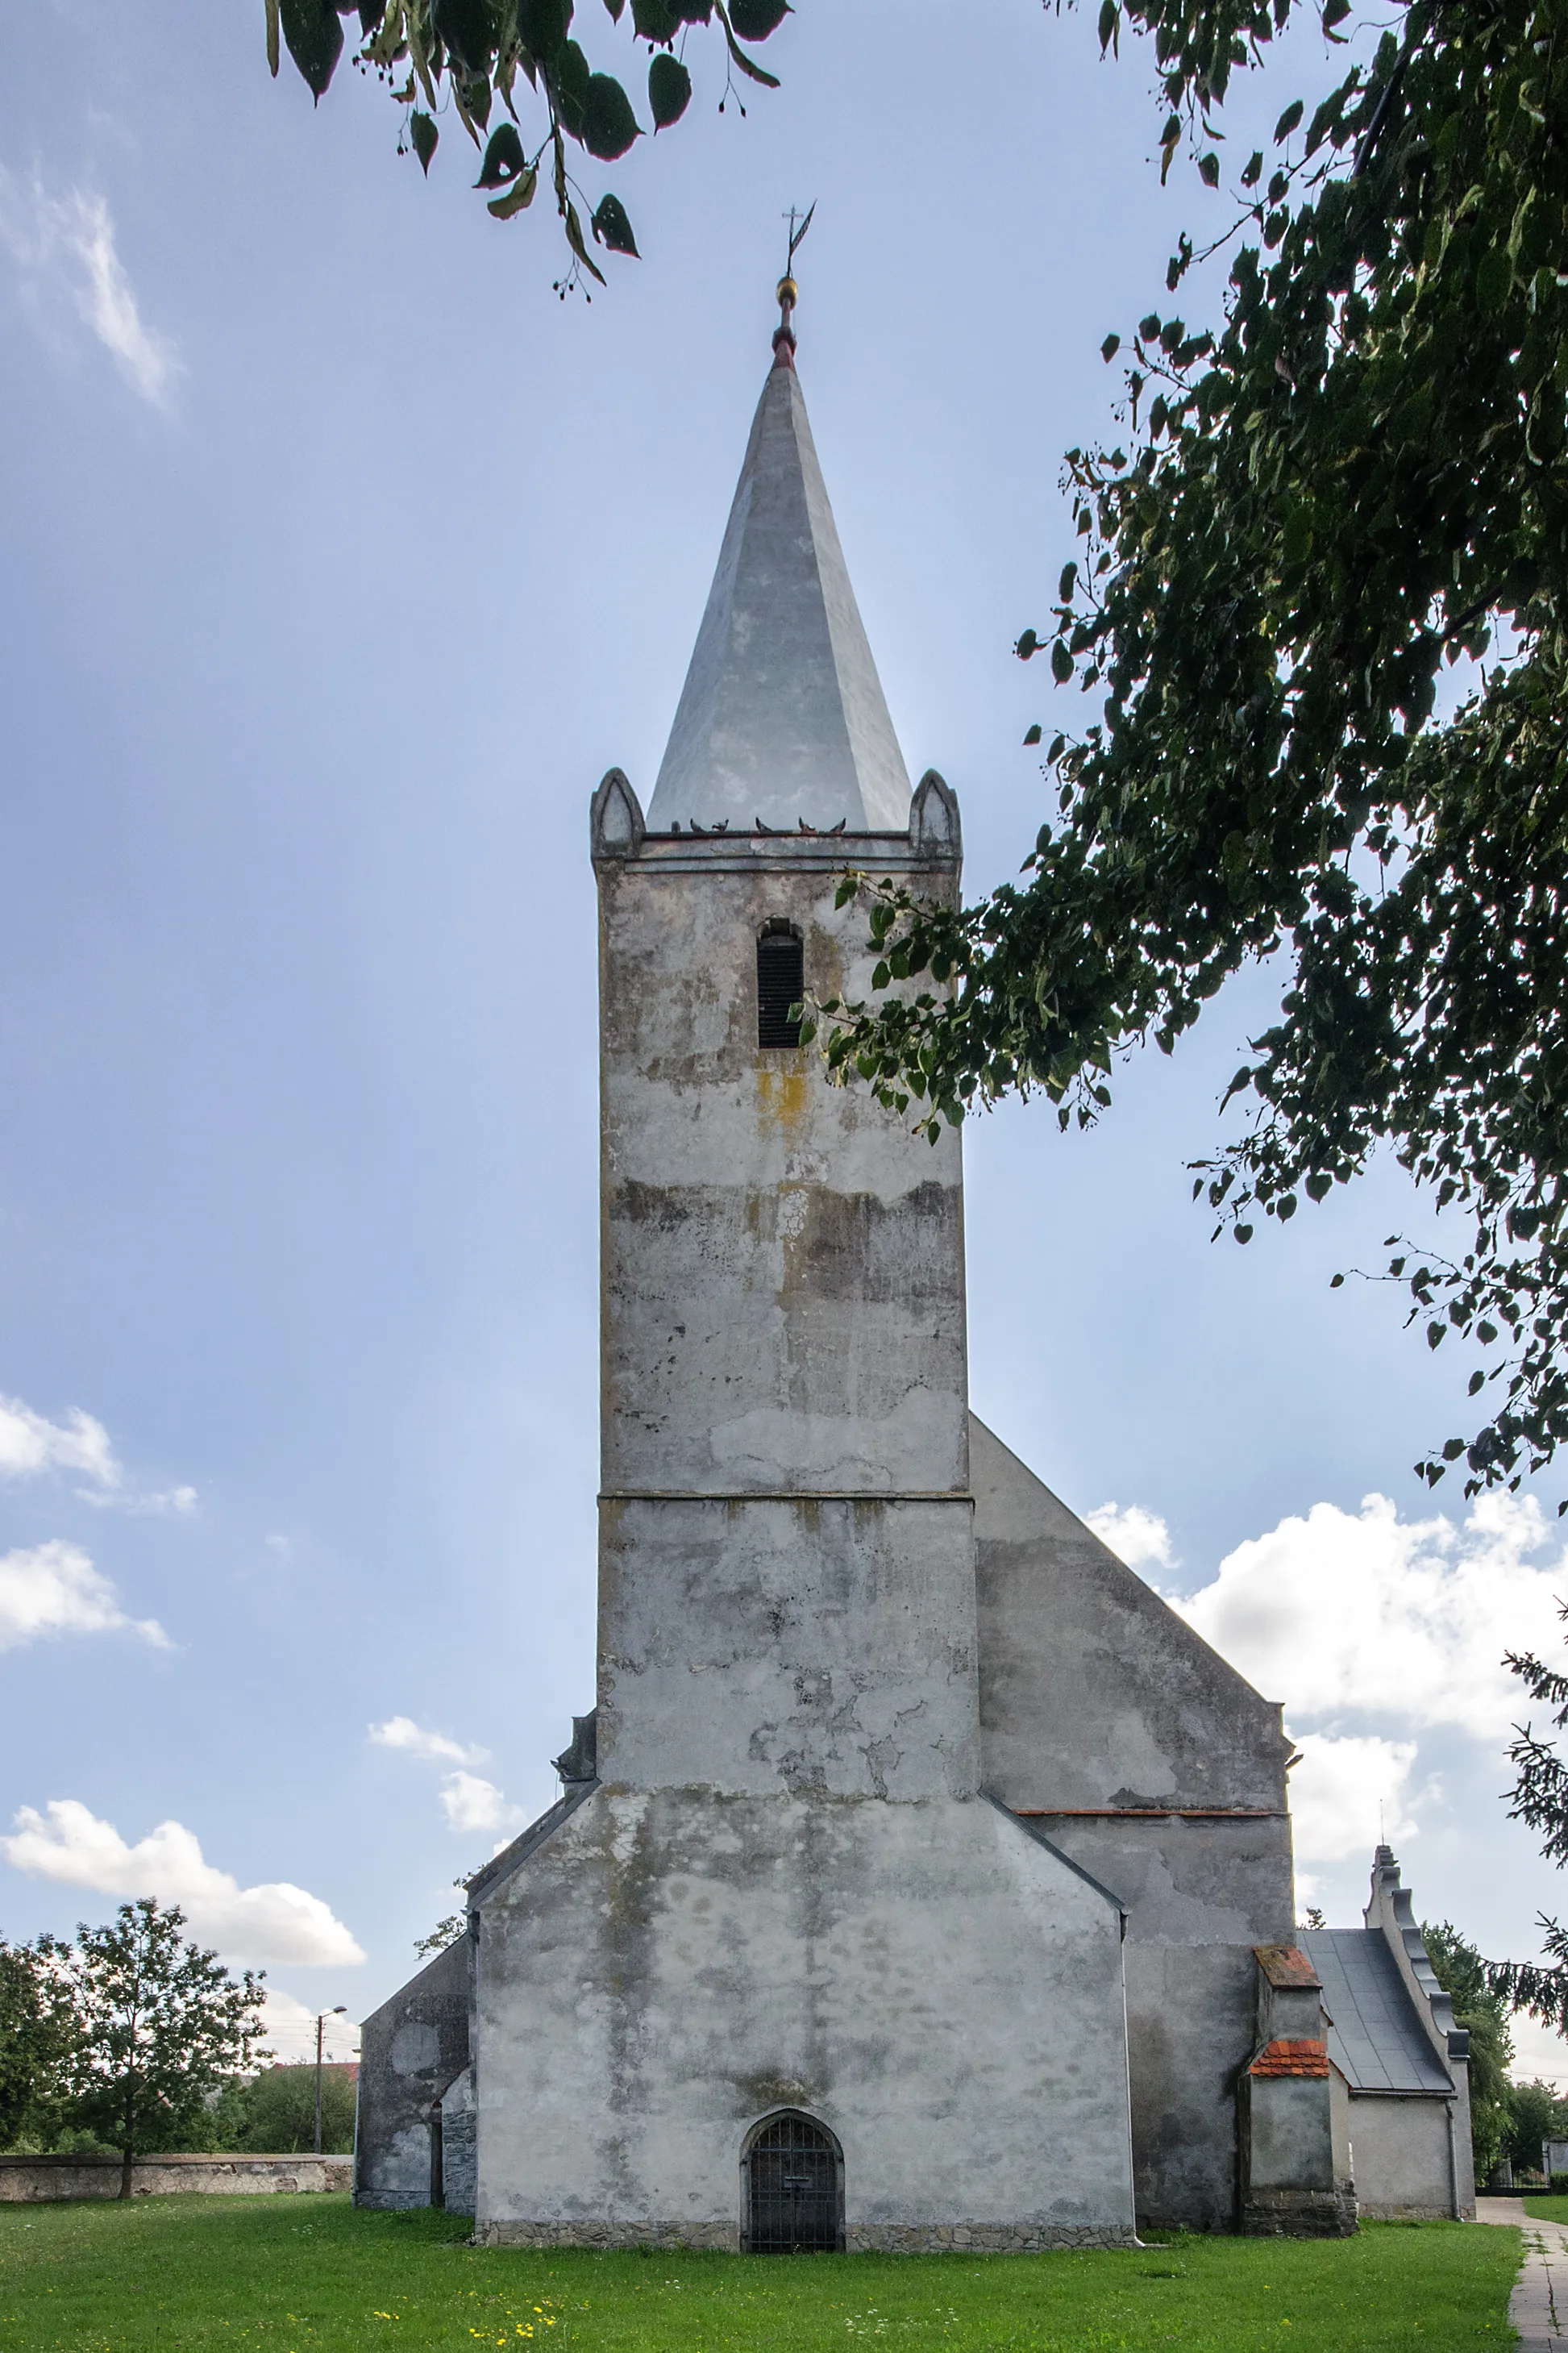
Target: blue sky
<point>341,559</point>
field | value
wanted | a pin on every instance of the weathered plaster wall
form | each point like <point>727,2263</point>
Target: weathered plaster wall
<point>926,1978</point>
<point>786,1565</point>
<point>1402,2157</point>
<point>410,2051</point>
<point>820,1644</point>
<point>783,1261</point>
<point>1100,1709</point>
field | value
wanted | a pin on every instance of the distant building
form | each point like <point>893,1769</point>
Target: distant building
<point>1400,2067</point>
<point>921,1879</point>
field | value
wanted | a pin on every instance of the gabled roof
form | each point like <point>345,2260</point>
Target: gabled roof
<point>1376,2041</point>
<point>783,715</point>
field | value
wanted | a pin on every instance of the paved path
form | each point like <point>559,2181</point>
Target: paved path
<point>1539,2304</point>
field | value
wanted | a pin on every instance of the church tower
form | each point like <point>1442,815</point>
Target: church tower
<point>776,1971</point>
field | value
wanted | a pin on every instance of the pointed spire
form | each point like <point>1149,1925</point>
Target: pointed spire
<point>783,719</point>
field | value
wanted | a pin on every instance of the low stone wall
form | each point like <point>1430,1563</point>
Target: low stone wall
<point>26,2179</point>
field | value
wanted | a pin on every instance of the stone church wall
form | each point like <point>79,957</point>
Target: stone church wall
<point>929,1981</point>
<point>411,2050</point>
<point>1155,1766</point>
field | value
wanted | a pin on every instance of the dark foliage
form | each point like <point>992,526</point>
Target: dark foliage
<point>467,57</point>
<point>1350,488</point>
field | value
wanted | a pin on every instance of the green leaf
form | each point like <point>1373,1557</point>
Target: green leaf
<point>467,28</point>
<point>615,7</point>
<point>518,198</point>
<point>753,20</point>
<point>1034,734</point>
<point>748,65</point>
<point>503,159</point>
<point>609,126</point>
<point>1029,646</point>
<point>1288,120</point>
<point>574,227</point>
<point>425,138</point>
<point>1110,347</point>
<point>655,20</point>
<point>1061,662</point>
<point>272,34</point>
<point>612,228</point>
<point>568,79</point>
<point>315,39</point>
<point>542,25</point>
<point>669,90</point>
<point>1208,171</point>
<point>1110,16</point>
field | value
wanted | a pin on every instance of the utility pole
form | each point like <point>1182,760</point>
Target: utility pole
<point>338,2010</point>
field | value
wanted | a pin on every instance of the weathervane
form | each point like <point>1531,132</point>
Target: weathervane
<point>789,292</point>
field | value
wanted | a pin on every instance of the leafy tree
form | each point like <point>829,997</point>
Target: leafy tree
<point>159,2025</point>
<point>468,55</point>
<point>1319,606</point>
<point>447,1931</point>
<point>1540,1797</point>
<point>1536,2113</point>
<point>36,2028</point>
<point>275,2113</point>
<point>1463,1975</point>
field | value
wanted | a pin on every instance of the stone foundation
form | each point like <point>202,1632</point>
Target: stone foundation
<point>1298,2214</point>
<point>861,2238</point>
<point>712,2238</point>
<point>977,2238</point>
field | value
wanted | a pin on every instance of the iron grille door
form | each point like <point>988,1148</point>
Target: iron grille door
<point>794,2190</point>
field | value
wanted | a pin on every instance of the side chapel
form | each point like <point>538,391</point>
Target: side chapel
<point>919,1879</point>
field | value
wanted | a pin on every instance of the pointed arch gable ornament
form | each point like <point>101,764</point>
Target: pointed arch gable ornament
<point>616,823</point>
<point>935,825</point>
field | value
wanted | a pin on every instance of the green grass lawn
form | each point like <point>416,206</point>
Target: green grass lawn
<point>309,2275</point>
<point>1546,2209</point>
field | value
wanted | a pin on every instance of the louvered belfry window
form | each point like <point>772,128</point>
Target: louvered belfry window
<point>780,983</point>
<point>793,2201</point>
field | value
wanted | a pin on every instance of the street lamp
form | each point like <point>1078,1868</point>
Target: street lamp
<point>339,2009</point>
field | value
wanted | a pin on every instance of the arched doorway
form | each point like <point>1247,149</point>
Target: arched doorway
<point>793,2187</point>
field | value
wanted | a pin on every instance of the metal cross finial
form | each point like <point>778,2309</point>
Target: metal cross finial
<point>797,235</point>
<point>784,335</point>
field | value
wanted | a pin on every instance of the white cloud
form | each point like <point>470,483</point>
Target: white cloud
<point>1345,1612</point>
<point>1348,1792</point>
<point>468,1801</point>
<point>165,1503</point>
<point>473,1804</point>
<point>1540,2055</point>
<point>402,1732</point>
<point>30,1443</point>
<point>291,2031</point>
<point>1141,1538</point>
<point>276,1922</point>
<point>64,246</point>
<point>54,1589</point>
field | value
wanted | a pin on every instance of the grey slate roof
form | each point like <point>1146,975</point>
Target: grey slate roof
<point>783,714</point>
<point>1376,2039</point>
